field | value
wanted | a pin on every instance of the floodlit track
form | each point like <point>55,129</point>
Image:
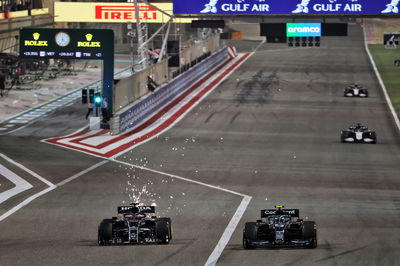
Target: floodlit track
<point>271,131</point>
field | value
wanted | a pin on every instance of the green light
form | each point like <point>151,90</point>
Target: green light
<point>97,99</point>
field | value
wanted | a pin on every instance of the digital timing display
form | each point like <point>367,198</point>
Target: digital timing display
<point>66,43</point>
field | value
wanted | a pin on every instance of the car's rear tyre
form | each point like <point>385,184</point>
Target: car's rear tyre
<point>105,232</point>
<point>310,233</point>
<point>249,235</point>
<point>163,230</point>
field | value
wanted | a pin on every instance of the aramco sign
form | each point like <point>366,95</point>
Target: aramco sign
<point>303,29</point>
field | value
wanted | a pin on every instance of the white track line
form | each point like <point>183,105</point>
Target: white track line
<point>388,100</point>
<point>20,184</point>
<point>25,202</point>
<point>226,236</point>
<point>81,173</point>
<point>50,188</point>
<point>31,198</point>
<point>27,170</point>
<point>178,177</point>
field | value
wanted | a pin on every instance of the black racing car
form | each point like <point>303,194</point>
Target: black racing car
<point>358,134</point>
<point>355,91</point>
<point>134,226</point>
<point>280,228</point>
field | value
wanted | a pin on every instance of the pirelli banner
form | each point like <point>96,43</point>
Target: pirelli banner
<point>112,12</point>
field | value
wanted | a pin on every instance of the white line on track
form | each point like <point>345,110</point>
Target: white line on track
<point>50,188</point>
<point>226,236</point>
<point>388,100</point>
<point>25,202</point>
<point>261,43</point>
<point>179,177</point>
<point>20,184</point>
<point>31,198</point>
<point>81,173</point>
<point>27,170</point>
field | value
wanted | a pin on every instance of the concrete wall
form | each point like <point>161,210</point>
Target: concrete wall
<point>10,27</point>
<point>251,31</point>
<point>134,87</point>
<point>198,48</point>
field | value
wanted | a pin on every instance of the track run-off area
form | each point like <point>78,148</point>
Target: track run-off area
<point>268,134</point>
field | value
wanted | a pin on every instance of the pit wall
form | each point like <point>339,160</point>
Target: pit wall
<point>129,89</point>
<point>198,48</point>
<point>142,109</point>
<point>133,88</point>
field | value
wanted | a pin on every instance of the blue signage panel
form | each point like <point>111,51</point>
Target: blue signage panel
<point>303,29</point>
<point>288,7</point>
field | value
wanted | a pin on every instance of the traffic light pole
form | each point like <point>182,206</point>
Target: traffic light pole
<point>108,79</point>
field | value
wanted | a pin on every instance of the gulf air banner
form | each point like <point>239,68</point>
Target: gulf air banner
<point>288,7</point>
<point>111,12</point>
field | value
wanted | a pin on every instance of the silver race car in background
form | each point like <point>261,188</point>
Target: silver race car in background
<point>280,228</point>
<point>355,91</point>
<point>134,226</point>
<point>358,134</point>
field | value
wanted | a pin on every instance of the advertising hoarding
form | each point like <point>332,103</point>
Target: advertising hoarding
<point>115,12</point>
<point>287,7</point>
<point>303,29</point>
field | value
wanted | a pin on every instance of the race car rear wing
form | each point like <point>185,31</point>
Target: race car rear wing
<point>273,212</point>
<point>134,209</point>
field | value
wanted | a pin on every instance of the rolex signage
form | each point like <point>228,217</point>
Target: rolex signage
<point>88,42</point>
<point>35,41</point>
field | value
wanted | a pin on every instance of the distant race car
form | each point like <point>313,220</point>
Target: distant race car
<point>355,91</point>
<point>134,226</point>
<point>279,228</point>
<point>358,134</point>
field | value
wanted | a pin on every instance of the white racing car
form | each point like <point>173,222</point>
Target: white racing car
<point>358,134</point>
<point>355,91</point>
<point>135,226</point>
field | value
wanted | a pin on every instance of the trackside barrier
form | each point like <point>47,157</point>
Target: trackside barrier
<point>150,104</point>
<point>127,90</point>
<point>198,48</point>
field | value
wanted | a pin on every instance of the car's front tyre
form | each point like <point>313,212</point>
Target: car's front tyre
<point>310,233</point>
<point>249,235</point>
<point>105,232</point>
<point>163,230</point>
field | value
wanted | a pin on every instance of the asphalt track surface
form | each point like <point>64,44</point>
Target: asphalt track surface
<point>271,131</point>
